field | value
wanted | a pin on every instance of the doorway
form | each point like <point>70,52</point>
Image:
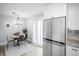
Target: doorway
<point>37,32</point>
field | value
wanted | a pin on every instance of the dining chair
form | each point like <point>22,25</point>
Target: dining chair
<point>9,40</point>
<point>20,39</point>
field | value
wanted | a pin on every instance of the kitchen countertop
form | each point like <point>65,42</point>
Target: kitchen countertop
<point>73,44</point>
<point>73,40</point>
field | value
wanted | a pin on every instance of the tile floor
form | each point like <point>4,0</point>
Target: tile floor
<point>26,49</point>
<point>36,51</point>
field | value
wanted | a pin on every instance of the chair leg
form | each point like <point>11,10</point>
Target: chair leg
<point>4,54</point>
<point>7,46</point>
<point>14,41</point>
<point>0,51</point>
<point>18,43</point>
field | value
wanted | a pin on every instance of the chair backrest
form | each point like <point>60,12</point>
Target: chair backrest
<point>21,37</point>
<point>9,37</point>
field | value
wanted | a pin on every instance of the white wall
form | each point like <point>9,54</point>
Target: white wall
<point>73,16</point>
<point>30,28</point>
<point>55,10</point>
<point>28,23</point>
<point>12,29</point>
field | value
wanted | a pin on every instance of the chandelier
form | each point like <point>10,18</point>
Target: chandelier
<point>18,18</point>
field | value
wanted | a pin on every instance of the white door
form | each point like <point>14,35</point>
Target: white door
<point>37,32</point>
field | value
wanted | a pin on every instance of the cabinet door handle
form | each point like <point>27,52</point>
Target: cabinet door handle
<point>74,49</point>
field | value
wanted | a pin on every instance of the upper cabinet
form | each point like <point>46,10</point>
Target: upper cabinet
<point>55,10</point>
<point>73,16</point>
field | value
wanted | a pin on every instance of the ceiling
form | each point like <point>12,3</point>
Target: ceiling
<point>25,10</point>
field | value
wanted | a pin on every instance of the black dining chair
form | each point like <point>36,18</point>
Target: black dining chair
<point>20,39</point>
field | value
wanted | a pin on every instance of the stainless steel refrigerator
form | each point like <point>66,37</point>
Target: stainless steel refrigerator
<point>47,36</point>
<point>54,36</point>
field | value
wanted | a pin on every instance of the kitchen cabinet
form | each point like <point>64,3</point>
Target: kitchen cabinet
<point>73,16</point>
<point>55,10</point>
<point>72,51</point>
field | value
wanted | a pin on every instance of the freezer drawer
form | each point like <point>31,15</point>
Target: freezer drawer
<point>58,50</point>
<point>47,48</point>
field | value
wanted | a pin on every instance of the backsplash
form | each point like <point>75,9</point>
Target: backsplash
<point>73,32</point>
<point>73,35</point>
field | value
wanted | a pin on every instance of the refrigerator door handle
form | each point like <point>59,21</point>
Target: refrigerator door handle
<point>58,44</point>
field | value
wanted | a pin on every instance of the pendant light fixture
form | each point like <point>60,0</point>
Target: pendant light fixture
<point>17,21</point>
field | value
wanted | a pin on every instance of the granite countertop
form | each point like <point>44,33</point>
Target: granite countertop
<point>73,44</point>
<point>73,41</point>
<point>73,38</point>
